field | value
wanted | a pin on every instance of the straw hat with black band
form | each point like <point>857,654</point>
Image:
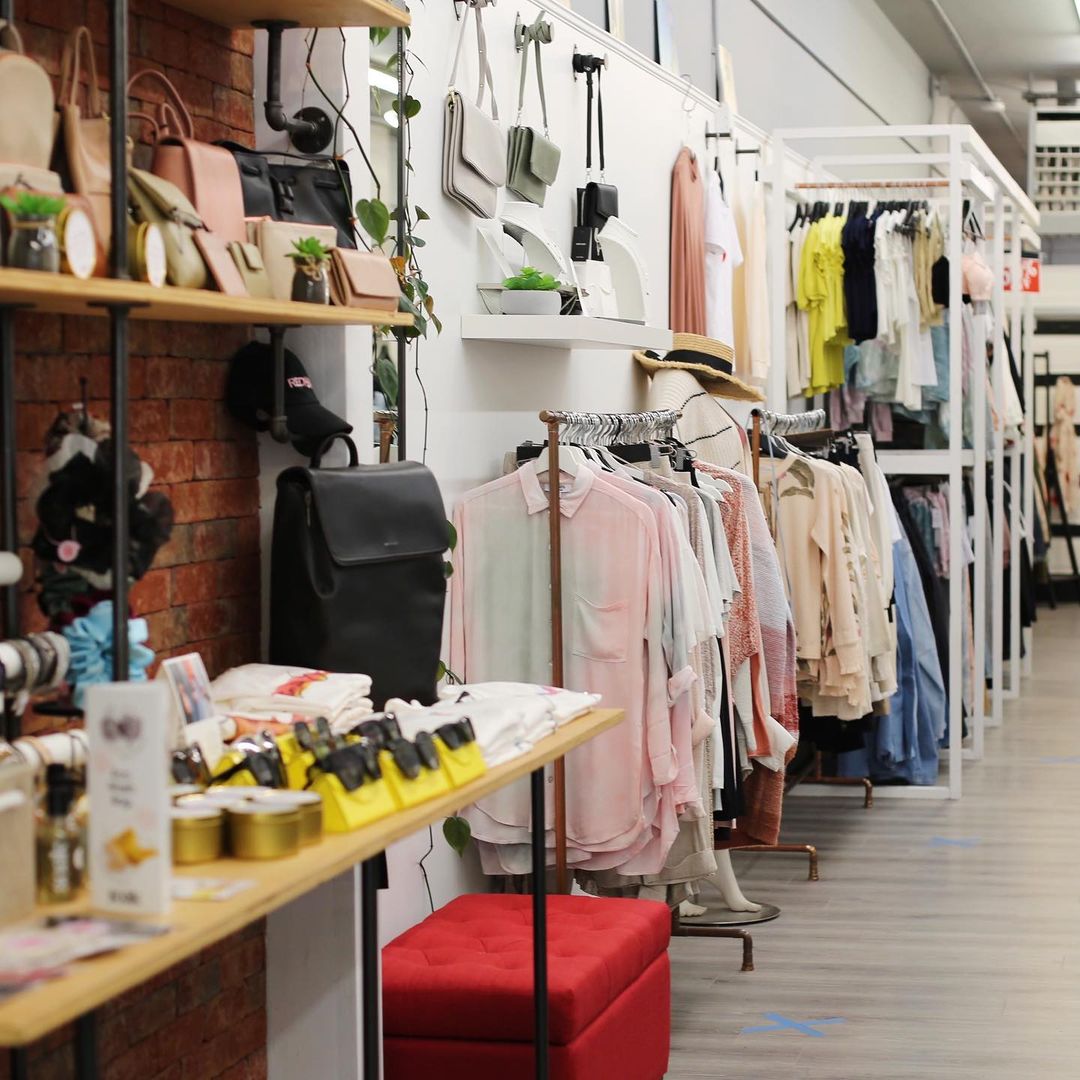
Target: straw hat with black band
<point>711,361</point>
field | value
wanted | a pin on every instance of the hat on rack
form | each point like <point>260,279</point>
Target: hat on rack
<point>249,395</point>
<point>712,361</point>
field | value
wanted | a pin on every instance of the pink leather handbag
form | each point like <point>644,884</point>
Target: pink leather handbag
<point>208,175</point>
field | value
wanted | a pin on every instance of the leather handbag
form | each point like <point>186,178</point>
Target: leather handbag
<point>81,155</point>
<point>596,201</point>
<point>314,191</point>
<point>363,279</point>
<point>356,573</point>
<point>252,269</point>
<point>532,158</point>
<point>474,151</point>
<point>206,173</point>
<point>275,243</point>
<point>26,121</point>
<point>163,204</point>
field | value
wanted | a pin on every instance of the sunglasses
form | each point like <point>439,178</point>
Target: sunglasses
<point>457,734</point>
<point>266,769</point>
<point>353,765</point>
<point>379,732</point>
<point>188,766</point>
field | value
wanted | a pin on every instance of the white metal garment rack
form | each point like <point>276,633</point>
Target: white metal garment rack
<point>963,167</point>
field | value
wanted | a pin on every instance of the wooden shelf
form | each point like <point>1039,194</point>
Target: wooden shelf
<point>564,332</point>
<point>28,1015</point>
<point>323,13</point>
<point>63,294</point>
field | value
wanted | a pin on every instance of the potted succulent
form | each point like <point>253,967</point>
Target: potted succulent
<point>531,293</point>
<point>311,257</point>
<point>33,244</point>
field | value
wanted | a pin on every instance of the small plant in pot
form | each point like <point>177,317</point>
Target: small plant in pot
<point>33,244</point>
<point>531,293</point>
<point>311,284</point>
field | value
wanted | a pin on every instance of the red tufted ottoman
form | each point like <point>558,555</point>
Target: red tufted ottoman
<point>457,991</point>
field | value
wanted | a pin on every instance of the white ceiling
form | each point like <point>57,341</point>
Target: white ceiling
<point>1011,41</point>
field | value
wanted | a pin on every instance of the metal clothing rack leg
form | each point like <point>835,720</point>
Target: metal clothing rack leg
<point>371,1028</point>
<point>402,342</point>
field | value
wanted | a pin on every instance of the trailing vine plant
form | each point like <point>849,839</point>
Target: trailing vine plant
<point>376,219</point>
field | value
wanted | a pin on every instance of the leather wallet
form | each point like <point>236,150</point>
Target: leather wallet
<point>363,279</point>
<point>223,268</point>
<point>249,264</point>
<point>275,239</point>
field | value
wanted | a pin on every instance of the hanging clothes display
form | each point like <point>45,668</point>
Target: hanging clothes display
<point>687,287</point>
<point>722,255</point>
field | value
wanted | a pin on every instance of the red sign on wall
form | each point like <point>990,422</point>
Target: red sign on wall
<point>1030,275</point>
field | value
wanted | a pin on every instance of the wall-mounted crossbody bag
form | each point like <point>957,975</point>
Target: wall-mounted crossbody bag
<point>474,150</point>
<point>597,200</point>
<point>532,160</point>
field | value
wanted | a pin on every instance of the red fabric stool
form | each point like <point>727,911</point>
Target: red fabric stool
<point>458,991</point>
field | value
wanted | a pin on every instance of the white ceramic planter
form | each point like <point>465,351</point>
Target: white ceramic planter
<point>531,302</point>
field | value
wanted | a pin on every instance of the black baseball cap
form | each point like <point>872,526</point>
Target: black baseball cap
<point>249,395</point>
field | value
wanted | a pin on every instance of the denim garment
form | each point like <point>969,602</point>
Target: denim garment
<point>904,744</point>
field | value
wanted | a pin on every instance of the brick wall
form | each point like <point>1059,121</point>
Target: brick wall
<point>205,1018</point>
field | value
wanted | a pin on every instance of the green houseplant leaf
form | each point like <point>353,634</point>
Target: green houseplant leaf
<point>29,204</point>
<point>457,833</point>
<point>309,249</point>
<point>531,280</point>
<point>375,219</point>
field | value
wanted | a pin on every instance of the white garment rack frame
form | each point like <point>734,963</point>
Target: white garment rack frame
<point>962,164</point>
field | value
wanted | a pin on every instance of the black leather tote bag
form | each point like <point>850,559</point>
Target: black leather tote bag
<point>309,190</point>
<point>356,573</point>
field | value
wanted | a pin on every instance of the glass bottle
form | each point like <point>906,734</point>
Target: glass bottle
<point>57,843</point>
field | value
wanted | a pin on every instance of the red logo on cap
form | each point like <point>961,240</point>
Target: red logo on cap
<point>299,382</point>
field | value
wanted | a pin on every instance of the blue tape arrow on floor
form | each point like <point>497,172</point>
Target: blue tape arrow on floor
<point>782,1023</point>
<point>959,841</point>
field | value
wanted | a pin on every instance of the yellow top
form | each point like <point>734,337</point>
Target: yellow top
<point>821,294</point>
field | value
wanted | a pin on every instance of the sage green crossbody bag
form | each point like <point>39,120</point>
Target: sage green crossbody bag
<point>532,158</point>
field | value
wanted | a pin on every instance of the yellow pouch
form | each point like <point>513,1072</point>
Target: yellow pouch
<point>463,764</point>
<point>429,784</point>
<point>344,810</point>
<point>296,759</point>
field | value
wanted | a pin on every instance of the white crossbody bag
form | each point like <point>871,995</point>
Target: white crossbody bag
<point>474,146</point>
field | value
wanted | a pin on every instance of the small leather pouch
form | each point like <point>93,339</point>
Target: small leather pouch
<point>219,260</point>
<point>363,279</point>
<point>598,203</point>
<point>249,264</point>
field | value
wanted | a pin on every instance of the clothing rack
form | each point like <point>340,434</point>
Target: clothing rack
<point>776,423</point>
<point>848,185</point>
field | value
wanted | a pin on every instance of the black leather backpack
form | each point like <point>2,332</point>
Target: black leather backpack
<point>356,576</point>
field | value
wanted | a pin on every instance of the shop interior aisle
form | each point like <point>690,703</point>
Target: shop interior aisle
<point>944,936</point>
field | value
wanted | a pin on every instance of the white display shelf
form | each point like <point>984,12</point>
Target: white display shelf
<point>920,462</point>
<point>564,332</point>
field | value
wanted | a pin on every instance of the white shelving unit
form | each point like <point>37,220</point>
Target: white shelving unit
<point>965,169</point>
<point>564,332</point>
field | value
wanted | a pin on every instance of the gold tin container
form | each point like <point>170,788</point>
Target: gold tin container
<point>178,791</point>
<point>197,834</point>
<point>260,832</point>
<point>309,803</point>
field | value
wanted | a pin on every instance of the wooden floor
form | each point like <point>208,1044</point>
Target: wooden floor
<point>945,935</point>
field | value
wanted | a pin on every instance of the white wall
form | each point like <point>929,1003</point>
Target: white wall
<point>779,85</point>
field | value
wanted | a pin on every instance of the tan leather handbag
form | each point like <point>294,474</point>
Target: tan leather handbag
<point>81,155</point>
<point>26,120</point>
<point>157,201</point>
<point>208,175</point>
<point>363,279</point>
